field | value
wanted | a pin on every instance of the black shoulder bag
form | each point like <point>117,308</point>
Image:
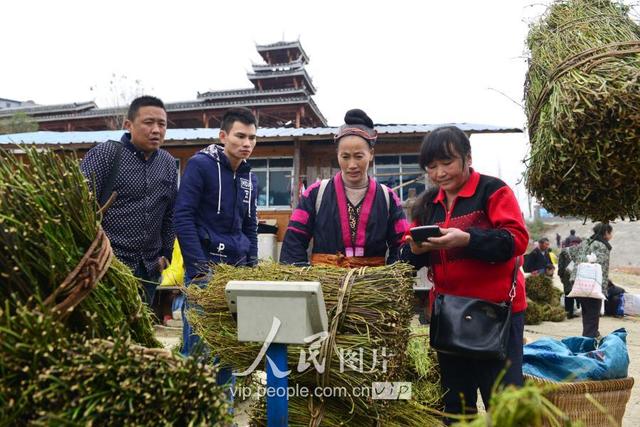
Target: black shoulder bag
<point>471,327</point>
<point>107,189</point>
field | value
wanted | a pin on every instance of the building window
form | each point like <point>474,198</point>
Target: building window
<point>395,171</point>
<point>274,181</point>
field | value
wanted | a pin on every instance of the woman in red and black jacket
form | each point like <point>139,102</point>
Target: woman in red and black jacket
<point>483,233</point>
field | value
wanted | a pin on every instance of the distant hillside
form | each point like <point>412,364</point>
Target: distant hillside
<point>625,242</point>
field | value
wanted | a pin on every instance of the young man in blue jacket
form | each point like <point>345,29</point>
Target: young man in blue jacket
<point>215,215</point>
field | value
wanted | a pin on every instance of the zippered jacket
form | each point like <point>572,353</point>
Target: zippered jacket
<point>487,209</point>
<point>215,216</point>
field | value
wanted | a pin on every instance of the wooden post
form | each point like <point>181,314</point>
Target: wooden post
<point>296,173</point>
<point>256,114</point>
<point>205,120</point>
<point>299,116</point>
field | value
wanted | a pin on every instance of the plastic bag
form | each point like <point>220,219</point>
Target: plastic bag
<point>578,358</point>
<point>588,283</point>
<point>631,304</point>
<point>174,274</point>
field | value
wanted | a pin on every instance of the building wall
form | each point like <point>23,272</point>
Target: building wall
<point>318,160</point>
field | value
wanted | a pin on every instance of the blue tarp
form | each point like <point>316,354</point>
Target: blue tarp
<point>578,358</point>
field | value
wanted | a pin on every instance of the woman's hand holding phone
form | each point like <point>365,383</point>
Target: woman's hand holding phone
<point>451,238</point>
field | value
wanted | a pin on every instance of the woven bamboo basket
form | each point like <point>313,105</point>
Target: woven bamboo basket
<point>571,398</point>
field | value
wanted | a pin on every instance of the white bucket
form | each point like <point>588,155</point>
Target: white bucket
<point>267,247</point>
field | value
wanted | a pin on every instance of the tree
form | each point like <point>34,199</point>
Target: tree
<point>18,123</point>
<point>118,95</point>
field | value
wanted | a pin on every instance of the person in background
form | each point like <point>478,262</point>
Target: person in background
<point>571,240</point>
<point>564,273</point>
<point>139,221</point>
<point>614,305</point>
<point>216,220</point>
<point>599,245</point>
<point>538,260</point>
<point>483,234</point>
<point>352,219</point>
<point>558,240</point>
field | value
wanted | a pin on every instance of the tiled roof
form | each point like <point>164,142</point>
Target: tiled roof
<point>283,45</point>
<point>49,109</point>
<point>283,73</point>
<point>249,92</point>
<point>295,98</point>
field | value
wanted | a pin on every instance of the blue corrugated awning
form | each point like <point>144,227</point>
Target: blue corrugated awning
<point>65,138</point>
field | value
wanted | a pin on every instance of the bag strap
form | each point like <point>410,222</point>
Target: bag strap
<point>385,191</point>
<point>323,186</point>
<point>115,168</point>
<point>512,291</point>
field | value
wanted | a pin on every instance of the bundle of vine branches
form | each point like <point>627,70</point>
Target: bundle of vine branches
<point>48,221</point>
<point>422,409</point>
<point>525,406</point>
<point>376,320</point>
<point>583,106</point>
<point>423,370</point>
<point>540,289</point>
<point>537,313</point>
<point>52,377</point>
<point>426,391</point>
<point>543,301</point>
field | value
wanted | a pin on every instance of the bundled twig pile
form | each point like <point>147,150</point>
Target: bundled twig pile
<point>376,317</point>
<point>426,393</point>
<point>53,248</point>
<point>51,377</point>
<point>583,106</point>
<point>526,406</point>
<point>543,301</point>
<point>423,369</point>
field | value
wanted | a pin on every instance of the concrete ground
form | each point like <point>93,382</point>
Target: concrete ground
<point>169,337</point>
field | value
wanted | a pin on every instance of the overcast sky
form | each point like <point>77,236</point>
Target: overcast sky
<point>401,61</point>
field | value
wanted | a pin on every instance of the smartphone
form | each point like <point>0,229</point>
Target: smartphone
<point>421,234</point>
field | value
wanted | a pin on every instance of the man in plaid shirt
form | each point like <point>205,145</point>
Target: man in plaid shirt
<point>139,222</point>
